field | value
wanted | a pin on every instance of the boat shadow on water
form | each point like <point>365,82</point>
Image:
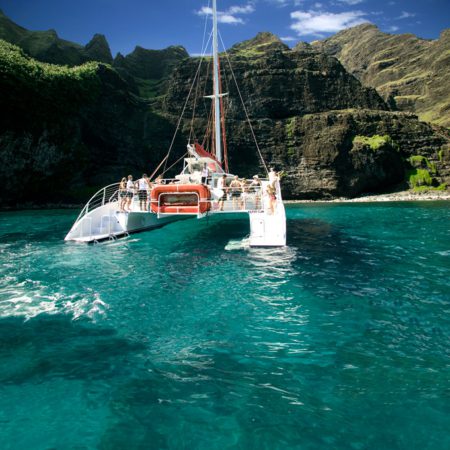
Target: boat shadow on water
<point>49,347</point>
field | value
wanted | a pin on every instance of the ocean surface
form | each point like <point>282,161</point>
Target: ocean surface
<point>184,338</point>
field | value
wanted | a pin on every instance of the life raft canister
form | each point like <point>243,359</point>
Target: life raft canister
<point>180,199</point>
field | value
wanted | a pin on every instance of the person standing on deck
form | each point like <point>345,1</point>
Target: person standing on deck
<point>273,177</point>
<point>143,186</point>
<point>271,192</point>
<point>236,190</point>
<point>205,174</point>
<point>222,185</point>
<point>122,194</point>
<point>130,192</point>
<point>255,187</point>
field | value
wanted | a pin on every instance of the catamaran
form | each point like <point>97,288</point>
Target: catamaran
<point>203,188</point>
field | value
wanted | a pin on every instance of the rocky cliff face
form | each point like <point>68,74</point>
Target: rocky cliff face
<point>69,131</point>
<point>411,73</point>
<point>149,70</point>
<point>276,82</point>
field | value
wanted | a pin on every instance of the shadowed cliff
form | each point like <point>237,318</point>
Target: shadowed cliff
<point>71,130</point>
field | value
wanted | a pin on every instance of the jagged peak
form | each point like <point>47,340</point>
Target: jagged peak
<point>98,49</point>
<point>138,50</point>
<point>52,32</point>
<point>303,47</point>
<point>99,38</point>
<point>262,42</point>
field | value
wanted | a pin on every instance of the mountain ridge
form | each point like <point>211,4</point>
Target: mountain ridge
<point>71,130</point>
<point>411,73</point>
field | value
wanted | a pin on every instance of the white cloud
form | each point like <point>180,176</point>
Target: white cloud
<point>247,9</point>
<point>286,2</point>
<point>289,39</point>
<point>351,2</point>
<point>393,28</point>
<point>317,22</point>
<point>230,16</point>
<point>405,15</point>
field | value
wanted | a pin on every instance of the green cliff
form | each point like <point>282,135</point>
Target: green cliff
<point>46,46</point>
<point>411,73</point>
<point>70,129</point>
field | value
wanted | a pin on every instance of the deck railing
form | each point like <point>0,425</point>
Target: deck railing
<point>250,198</point>
<point>108,194</point>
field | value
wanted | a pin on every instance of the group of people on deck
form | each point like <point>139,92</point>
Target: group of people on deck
<point>142,187</point>
<point>238,190</point>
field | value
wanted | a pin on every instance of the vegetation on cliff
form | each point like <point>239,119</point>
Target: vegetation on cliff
<point>373,142</point>
<point>69,130</point>
<point>412,74</point>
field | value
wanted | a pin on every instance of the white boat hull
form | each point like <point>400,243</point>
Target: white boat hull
<point>105,222</point>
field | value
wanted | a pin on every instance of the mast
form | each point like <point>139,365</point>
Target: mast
<point>216,96</point>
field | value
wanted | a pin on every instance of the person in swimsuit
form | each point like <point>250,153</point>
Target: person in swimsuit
<point>122,194</point>
<point>222,185</point>
<point>271,192</point>
<point>236,190</point>
<point>255,188</point>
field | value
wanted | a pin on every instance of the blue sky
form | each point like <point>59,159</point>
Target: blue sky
<point>158,24</point>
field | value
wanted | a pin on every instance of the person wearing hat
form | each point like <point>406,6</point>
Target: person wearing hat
<point>255,187</point>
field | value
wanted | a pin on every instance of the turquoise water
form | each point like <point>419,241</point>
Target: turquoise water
<point>183,338</point>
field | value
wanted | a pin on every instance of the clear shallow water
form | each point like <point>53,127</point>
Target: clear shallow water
<point>184,338</point>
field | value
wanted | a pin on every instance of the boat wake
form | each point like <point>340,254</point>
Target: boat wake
<point>238,244</point>
<point>29,299</point>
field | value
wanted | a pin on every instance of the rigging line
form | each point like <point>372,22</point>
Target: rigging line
<point>182,112</point>
<point>222,124</point>
<point>243,105</point>
<point>204,31</point>
<point>159,165</point>
<point>198,86</point>
<point>204,48</point>
<point>176,162</point>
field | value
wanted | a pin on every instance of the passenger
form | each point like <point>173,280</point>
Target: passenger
<point>255,187</point>
<point>245,194</point>
<point>130,192</point>
<point>205,174</point>
<point>236,189</point>
<point>222,184</point>
<point>122,194</point>
<point>273,177</point>
<point>149,193</point>
<point>143,186</point>
<point>271,192</point>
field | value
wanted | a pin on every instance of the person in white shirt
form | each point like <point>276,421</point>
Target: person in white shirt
<point>273,177</point>
<point>143,186</point>
<point>205,174</point>
<point>130,192</point>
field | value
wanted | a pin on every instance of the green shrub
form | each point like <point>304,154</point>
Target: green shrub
<point>419,177</point>
<point>374,142</point>
<point>419,161</point>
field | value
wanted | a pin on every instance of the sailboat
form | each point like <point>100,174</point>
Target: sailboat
<point>204,187</point>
